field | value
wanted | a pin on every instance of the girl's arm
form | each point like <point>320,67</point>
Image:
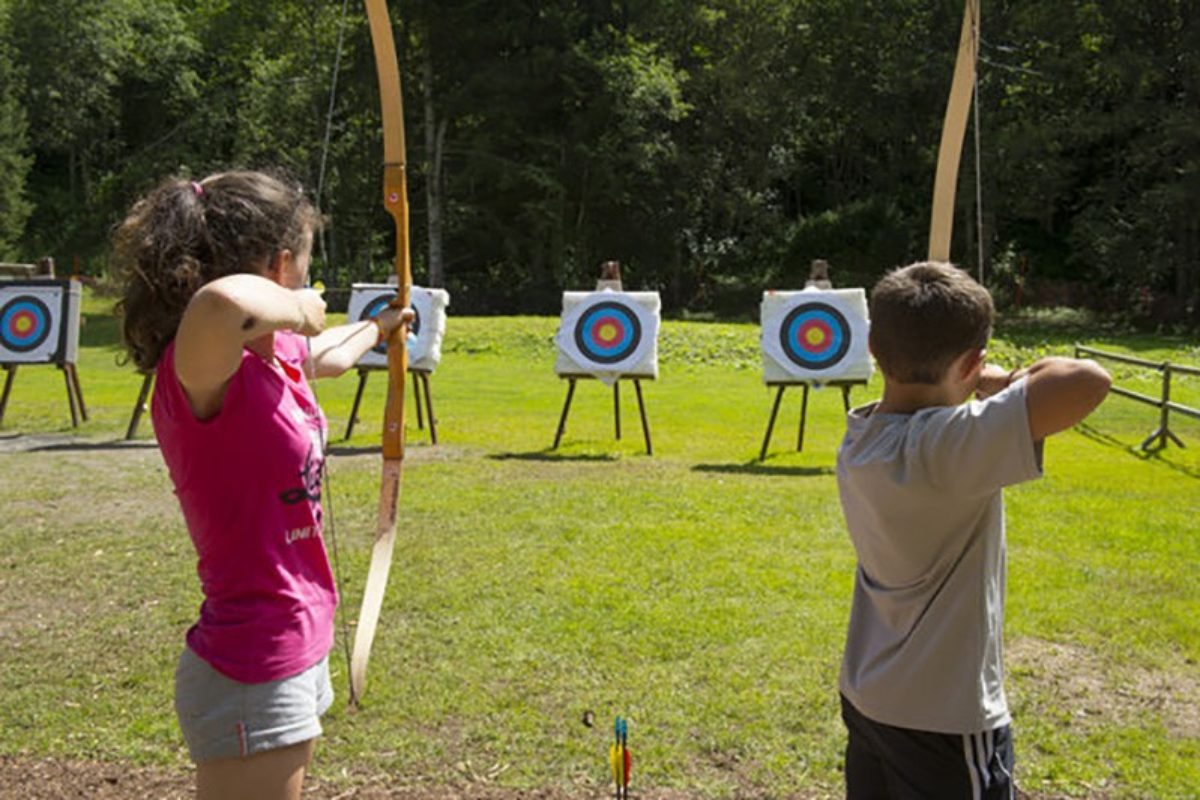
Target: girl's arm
<point>338,349</point>
<point>228,314</point>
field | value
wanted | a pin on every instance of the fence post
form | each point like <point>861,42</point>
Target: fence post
<point>1164,430</point>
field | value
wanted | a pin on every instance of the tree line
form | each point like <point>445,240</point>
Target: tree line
<point>713,147</point>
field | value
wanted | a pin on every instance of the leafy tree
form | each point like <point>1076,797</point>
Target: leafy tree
<point>14,158</point>
<point>104,104</point>
<point>714,147</point>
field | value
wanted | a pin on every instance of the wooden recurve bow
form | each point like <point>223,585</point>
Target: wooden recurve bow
<point>395,200</point>
<point>954,129</point>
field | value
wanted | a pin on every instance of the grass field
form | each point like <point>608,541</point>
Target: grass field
<point>699,593</point>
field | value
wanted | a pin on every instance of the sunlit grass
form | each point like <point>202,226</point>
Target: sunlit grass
<point>698,592</point>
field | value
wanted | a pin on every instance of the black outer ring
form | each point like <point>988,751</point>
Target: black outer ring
<point>45,311</point>
<point>585,348</point>
<point>799,360</point>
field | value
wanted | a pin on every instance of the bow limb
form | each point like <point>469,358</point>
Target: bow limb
<point>395,200</point>
<point>954,130</point>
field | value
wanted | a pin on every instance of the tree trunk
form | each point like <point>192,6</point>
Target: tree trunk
<point>435,139</point>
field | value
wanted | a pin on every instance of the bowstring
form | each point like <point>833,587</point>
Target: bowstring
<point>325,144</point>
<point>341,623</point>
<point>976,36</point>
<point>327,506</point>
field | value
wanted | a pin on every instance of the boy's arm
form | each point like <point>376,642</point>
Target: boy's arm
<point>1059,392</point>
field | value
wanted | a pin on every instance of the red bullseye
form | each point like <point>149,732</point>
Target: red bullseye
<point>814,335</point>
<point>607,331</point>
<point>21,324</point>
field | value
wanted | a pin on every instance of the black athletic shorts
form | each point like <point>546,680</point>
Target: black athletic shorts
<point>884,762</point>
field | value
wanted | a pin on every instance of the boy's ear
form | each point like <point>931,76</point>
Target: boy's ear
<point>971,360</point>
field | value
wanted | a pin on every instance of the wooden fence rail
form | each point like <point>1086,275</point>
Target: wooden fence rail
<point>1164,403</point>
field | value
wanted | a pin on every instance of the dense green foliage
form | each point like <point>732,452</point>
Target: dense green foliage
<point>713,147</point>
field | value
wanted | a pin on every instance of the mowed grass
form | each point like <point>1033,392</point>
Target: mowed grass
<point>697,592</point>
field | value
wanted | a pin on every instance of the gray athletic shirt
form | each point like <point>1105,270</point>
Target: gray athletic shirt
<point>922,498</point>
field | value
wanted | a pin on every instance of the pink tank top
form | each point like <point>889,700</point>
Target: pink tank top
<point>249,483</point>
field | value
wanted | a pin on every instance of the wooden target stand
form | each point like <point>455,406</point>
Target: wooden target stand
<point>140,406</point>
<point>420,382</point>
<point>74,391</point>
<point>420,378</point>
<point>845,386</point>
<point>637,385</point>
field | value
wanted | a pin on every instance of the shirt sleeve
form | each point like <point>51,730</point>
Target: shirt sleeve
<point>981,446</point>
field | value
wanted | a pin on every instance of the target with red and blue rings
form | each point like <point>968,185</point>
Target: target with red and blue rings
<point>25,323</point>
<point>608,335</point>
<point>815,336</point>
<point>609,332</point>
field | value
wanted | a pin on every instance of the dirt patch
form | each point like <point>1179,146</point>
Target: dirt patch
<point>1096,692</point>
<point>51,779</point>
<point>58,779</point>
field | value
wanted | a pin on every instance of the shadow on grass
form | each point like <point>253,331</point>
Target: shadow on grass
<point>416,450</point>
<point>1153,456</point>
<point>83,447</point>
<point>354,450</point>
<point>759,468</point>
<point>553,456</point>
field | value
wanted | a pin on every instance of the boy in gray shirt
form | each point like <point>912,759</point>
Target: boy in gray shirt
<point>920,475</point>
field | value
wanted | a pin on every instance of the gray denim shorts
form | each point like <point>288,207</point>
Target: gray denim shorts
<point>222,718</point>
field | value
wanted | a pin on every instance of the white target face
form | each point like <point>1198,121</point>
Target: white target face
<point>39,321</point>
<point>816,335</point>
<point>608,332</point>
<point>424,334</point>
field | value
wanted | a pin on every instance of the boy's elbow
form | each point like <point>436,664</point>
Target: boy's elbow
<point>1098,381</point>
<point>1063,393</point>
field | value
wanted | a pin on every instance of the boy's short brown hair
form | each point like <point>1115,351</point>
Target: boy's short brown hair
<point>924,316</point>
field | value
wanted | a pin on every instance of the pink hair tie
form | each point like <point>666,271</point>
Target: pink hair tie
<point>198,189</point>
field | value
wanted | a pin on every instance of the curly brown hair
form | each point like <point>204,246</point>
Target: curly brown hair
<point>924,316</point>
<point>184,234</point>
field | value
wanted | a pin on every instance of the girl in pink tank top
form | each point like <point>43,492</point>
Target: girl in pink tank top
<point>215,305</point>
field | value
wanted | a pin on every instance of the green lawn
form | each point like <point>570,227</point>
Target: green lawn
<point>698,593</point>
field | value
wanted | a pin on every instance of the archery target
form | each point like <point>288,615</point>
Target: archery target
<point>39,321</point>
<point>424,334</point>
<point>815,335</point>
<point>609,334</point>
<point>25,323</point>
